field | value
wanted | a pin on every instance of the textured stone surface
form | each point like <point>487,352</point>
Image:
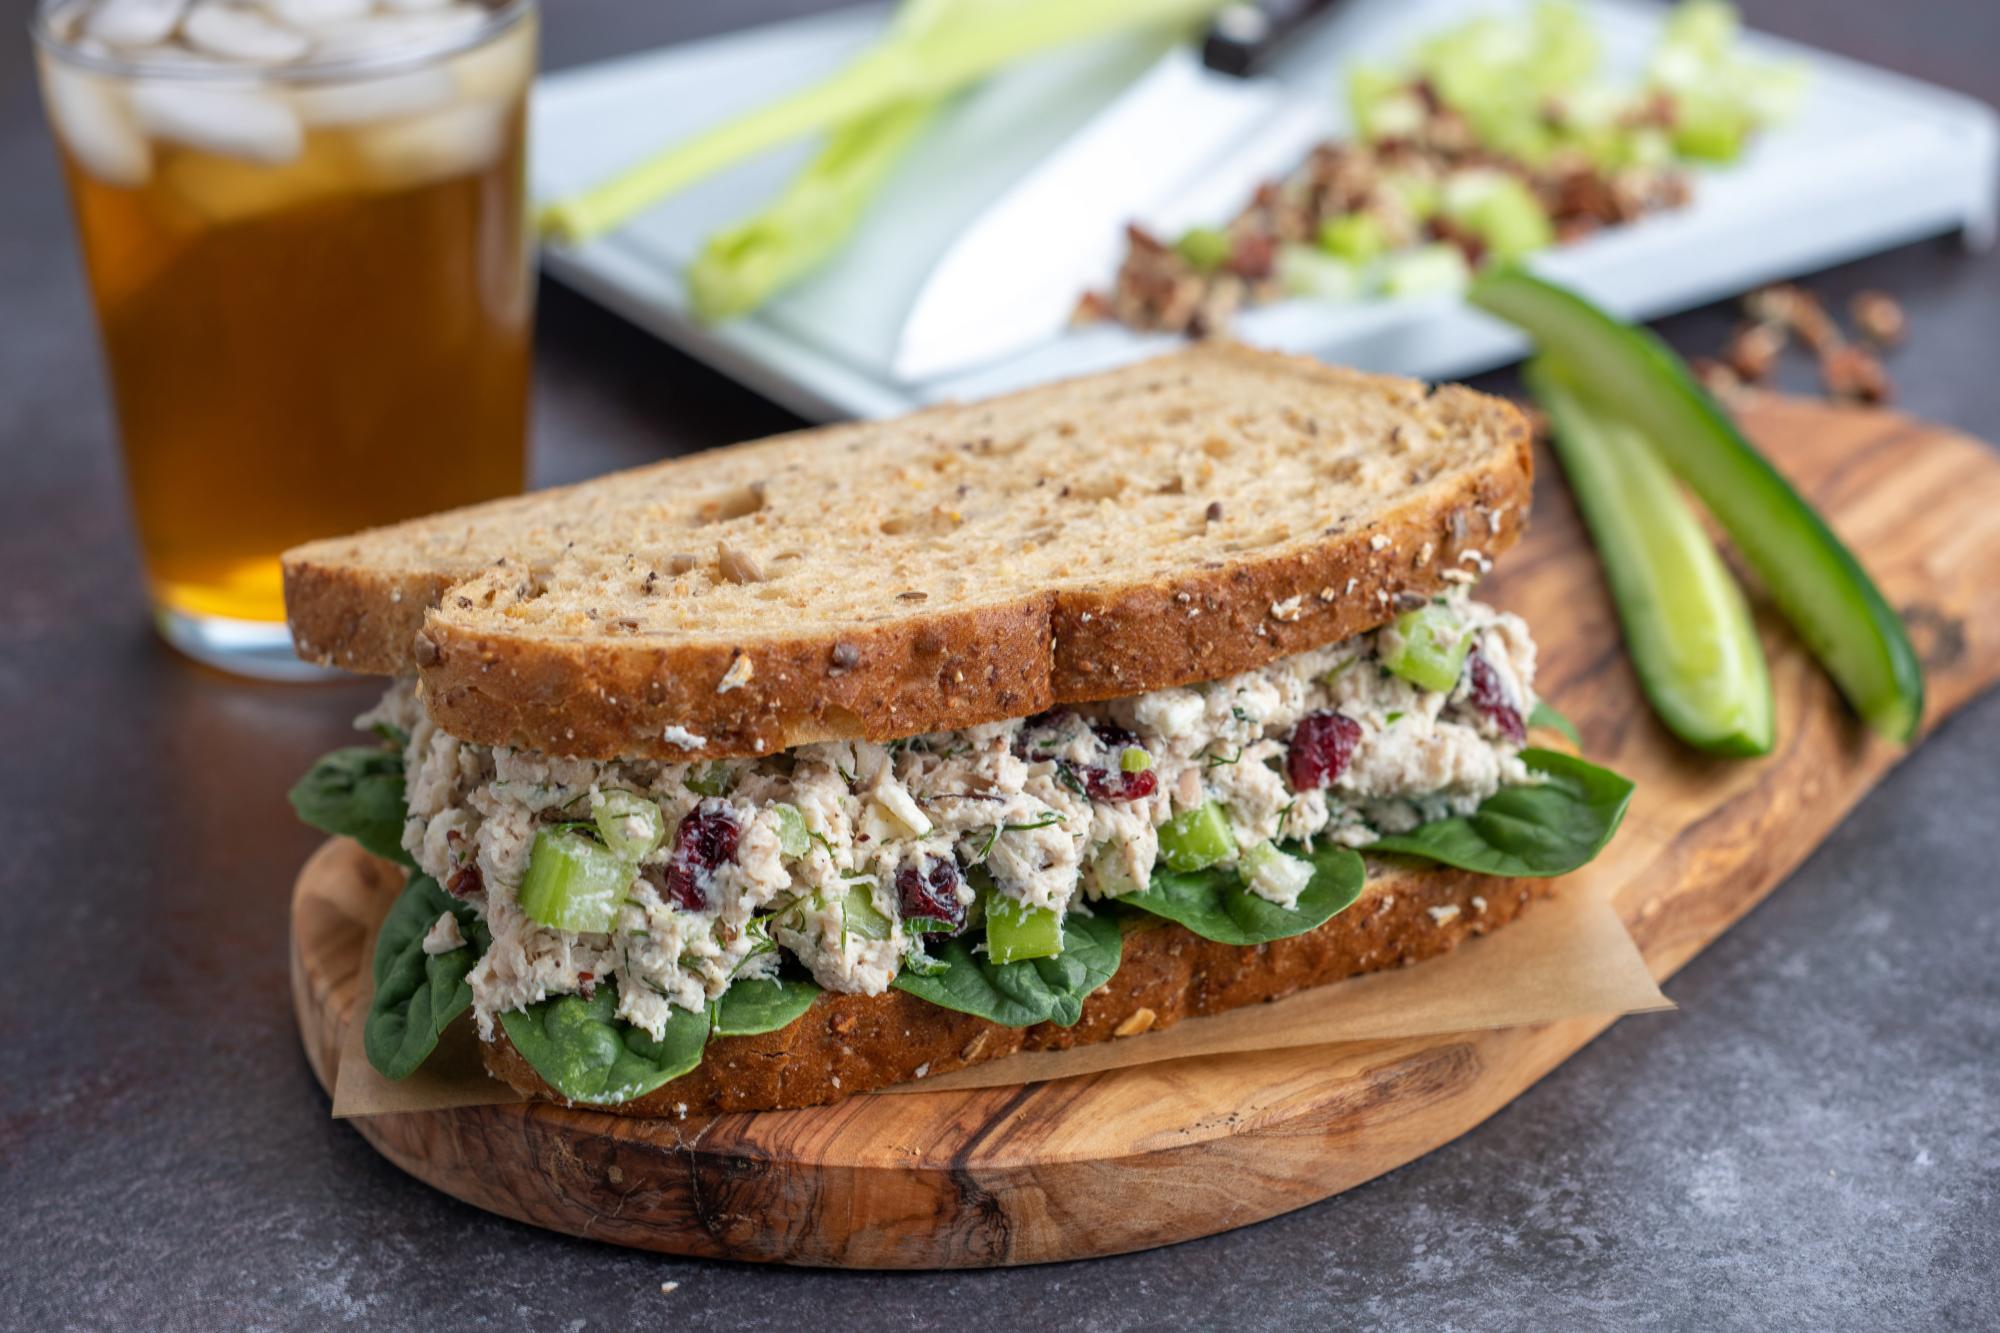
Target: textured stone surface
<point>1813,1141</point>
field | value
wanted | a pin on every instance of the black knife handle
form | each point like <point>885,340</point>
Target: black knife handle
<point>1245,33</point>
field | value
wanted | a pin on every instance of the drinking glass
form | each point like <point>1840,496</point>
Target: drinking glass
<point>306,233</point>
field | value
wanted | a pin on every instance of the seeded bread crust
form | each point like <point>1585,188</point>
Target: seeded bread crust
<point>846,1044</point>
<point>1171,522</point>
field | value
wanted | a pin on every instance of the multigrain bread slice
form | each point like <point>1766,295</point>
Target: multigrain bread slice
<point>846,1044</point>
<point>1173,521</point>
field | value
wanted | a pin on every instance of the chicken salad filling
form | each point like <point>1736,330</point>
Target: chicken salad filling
<point>674,881</point>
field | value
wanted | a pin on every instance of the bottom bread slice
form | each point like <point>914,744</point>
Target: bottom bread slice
<point>847,1044</point>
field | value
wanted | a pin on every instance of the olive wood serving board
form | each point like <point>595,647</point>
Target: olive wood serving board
<point>1152,1154</point>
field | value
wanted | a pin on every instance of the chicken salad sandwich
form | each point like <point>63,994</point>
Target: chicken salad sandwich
<point>765,777</point>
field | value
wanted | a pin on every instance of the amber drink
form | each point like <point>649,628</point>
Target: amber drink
<point>306,236</point>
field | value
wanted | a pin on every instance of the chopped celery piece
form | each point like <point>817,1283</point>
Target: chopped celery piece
<point>1273,874</point>
<point>573,882</point>
<point>1133,759</point>
<point>1428,647</point>
<point>1204,247</point>
<point>1814,579</point>
<point>1382,103</point>
<point>1500,210</point>
<point>1355,237</point>
<point>1710,131</point>
<point>860,913</point>
<point>1016,932</point>
<point>1305,270</point>
<point>630,824</point>
<point>1499,72</point>
<point>794,838</point>
<point>1686,623</point>
<point>1196,839</point>
<point>1428,270</point>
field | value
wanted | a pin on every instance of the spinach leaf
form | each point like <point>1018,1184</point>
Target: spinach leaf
<point>358,792</point>
<point>1215,905</point>
<point>1545,715</point>
<point>585,1052</point>
<point>1547,828</point>
<point>765,1004</point>
<point>1038,990</point>
<point>418,994</point>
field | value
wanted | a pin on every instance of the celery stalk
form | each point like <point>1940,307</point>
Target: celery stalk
<point>1814,579</point>
<point>934,48</point>
<point>739,268</point>
<point>1686,623</point>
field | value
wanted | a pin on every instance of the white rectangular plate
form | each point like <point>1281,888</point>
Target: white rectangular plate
<point>1872,160</point>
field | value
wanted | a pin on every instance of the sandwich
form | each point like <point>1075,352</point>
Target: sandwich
<point>792,770</point>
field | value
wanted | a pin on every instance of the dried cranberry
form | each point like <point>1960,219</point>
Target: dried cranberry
<point>466,881</point>
<point>931,889</point>
<point>1321,745</point>
<point>705,841</point>
<point>1108,785</point>
<point>1489,697</point>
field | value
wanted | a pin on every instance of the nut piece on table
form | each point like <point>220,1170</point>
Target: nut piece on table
<point>1753,350</point>
<point>1879,318</point>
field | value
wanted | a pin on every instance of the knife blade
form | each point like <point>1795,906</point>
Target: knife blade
<point>1012,279</point>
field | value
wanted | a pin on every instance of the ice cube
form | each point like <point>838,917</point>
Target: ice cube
<point>135,22</point>
<point>315,15</point>
<point>456,141</point>
<point>90,116</point>
<point>500,69</point>
<point>382,33</point>
<point>229,122</point>
<point>358,101</point>
<point>309,15</point>
<point>241,34</point>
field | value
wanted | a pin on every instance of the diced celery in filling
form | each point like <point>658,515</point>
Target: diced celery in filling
<point>674,879</point>
<point>1016,932</point>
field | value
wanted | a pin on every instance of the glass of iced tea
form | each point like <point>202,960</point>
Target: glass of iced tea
<point>306,231</point>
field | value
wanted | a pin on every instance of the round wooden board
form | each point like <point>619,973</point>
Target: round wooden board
<point>1101,1164</point>
<point>1158,1153</point>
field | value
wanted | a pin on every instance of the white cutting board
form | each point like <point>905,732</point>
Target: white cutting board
<point>1871,160</point>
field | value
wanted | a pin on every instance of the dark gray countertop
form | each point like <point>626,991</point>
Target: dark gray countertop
<point>1813,1141</point>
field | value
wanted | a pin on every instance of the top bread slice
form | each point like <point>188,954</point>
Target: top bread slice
<point>1174,521</point>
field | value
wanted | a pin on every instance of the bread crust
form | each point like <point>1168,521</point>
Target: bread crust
<point>658,698</point>
<point>846,1044</point>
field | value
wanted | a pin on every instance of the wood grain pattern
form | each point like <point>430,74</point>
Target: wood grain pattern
<point>1154,1154</point>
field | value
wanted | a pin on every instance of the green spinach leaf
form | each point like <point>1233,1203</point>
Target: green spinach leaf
<point>1215,905</point>
<point>357,792</point>
<point>1545,715</point>
<point>418,994</point>
<point>765,1004</point>
<point>1546,828</point>
<point>1041,990</point>
<point>583,1050</point>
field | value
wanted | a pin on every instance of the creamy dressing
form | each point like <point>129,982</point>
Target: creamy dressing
<point>1014,799</point>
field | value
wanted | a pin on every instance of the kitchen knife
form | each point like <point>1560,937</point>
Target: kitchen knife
<point>1013,278</point>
